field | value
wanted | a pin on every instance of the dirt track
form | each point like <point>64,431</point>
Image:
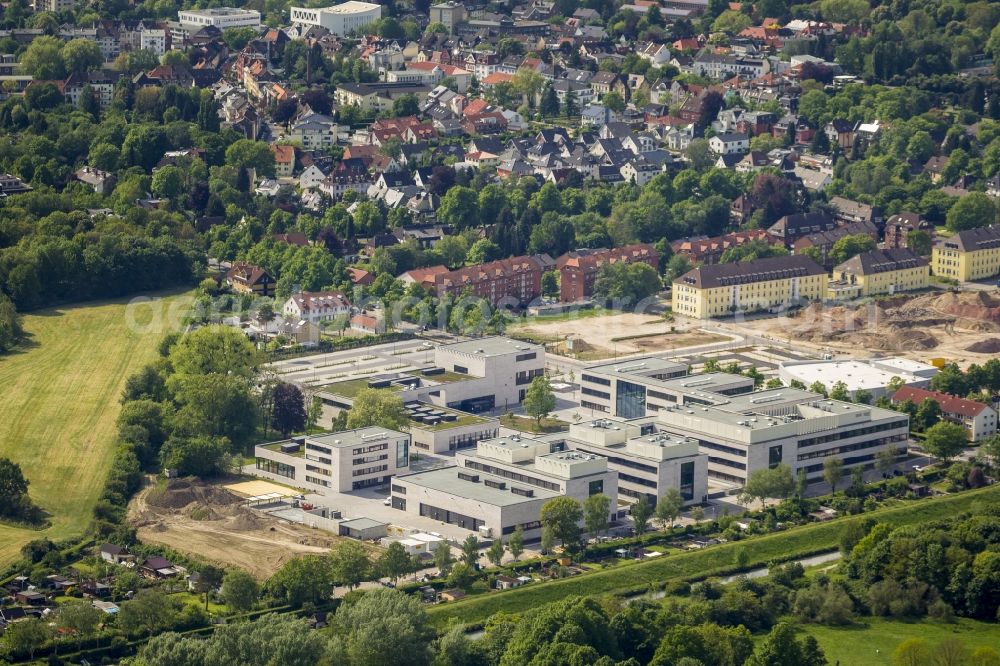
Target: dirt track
<point>207,521</point>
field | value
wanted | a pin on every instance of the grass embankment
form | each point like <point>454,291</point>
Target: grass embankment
<point>872,642</point>
<point>796,542</point>
<point>59,397</point>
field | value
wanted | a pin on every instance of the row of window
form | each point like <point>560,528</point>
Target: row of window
<point>318,470</point>
<point>857,432</point>
<point>595,380</point>
<point>514,476</point>
<point>274,467</point>
<point>860,446</point>
<point>368,449</point>
<point>594,392</point>
<point>318,482</point>
<point>364,471</point>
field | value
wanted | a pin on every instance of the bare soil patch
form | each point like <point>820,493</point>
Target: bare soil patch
<point>208,521</point>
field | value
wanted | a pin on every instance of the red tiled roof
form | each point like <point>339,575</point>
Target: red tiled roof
<point>950,404</point>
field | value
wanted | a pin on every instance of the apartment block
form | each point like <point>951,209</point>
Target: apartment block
<point>578,270</point>
<point>720,290</point>
<point>514,282</point>
<point>338,462</point>
<point>973,254</point>
<point>879,272</point>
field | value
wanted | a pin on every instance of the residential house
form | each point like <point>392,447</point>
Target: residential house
<point>710,250</point>
<point>316,306</point>
<point>899,226</point>
<point>246,278</point>
<point>101,182</point>
<point>824,241</point>
<point>854,211</point>
<point>115,554</point>
<point>284,160</point>
<point>840,133</point>
<point>158,567</point>
<point>365,323</point>
<point>978,419</point>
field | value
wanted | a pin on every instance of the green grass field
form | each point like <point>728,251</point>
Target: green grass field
<point>871,643</point>
<point>60,400</point>
<point>796,542</point>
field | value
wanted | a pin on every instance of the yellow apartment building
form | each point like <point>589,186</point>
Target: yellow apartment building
<point>973,254</point>
<point>720,290</point>
<point>878,272</point>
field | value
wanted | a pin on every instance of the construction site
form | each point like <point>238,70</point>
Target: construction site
<point>219,523</point>
<point>961,327</point>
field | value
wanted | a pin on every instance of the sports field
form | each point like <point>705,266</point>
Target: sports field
<point>59,400</point>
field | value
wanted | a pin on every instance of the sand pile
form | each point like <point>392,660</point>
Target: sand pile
<point>990,346</point>
<point>979,306</point>
<point>179,493</point>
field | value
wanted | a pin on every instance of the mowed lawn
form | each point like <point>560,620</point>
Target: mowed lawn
<point>59,401</point>
<point>873,640</point>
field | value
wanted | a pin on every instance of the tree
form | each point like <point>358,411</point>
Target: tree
<point>462,576</point>
<point>459,208</point>
<point>833,472</point>
<point>13,488</point>
<point>43,58</point>
<point>928,414</point>
<point>199,456</point>
<point>839,392</point>
<point>240,590</point>
<point>818,387</point>
<point>385,627</point>
<point>884,461</point>
<point>627,283</point>
<point>550,102</point>
<point>482,251</point>
<point>81,55</point>
<point>11,331</point>
<point>307,579</point>
<point>150,611</point>
<point>562,515</point>
<point>405,105</point>
<point>912,652</point>
<point>641,513</point>
<point>248,154</point>
<point>699,155</point>
<point>990,449</point>
<point>515,544</point>
<point>79,618</point>
<point>849,246</point>
<point>972,211</point>
<point>774,482</point>
<point>548,540</point>
<point>495,552</point>
<point>377,407</point>
<point>669,506</point>
<point>395,562</point>
<point>27,636</point>
<point>731,22</point>
<point>539,400</point>
<point>920,242</point>
<point>443,558</point>
<point>470,550</point>
<point>945,440</point>
<point>214,350</point>
<point>209,578</point>
<point>613,101</point>
<point>781,648</point>
<point>349,563</point>
<point>288,411</point>
<point>596,512</point>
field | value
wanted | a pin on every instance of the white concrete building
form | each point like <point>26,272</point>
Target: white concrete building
<point>730,143</point>
<point>503,485</point>
<point>754,431</point>
<point>643,386</point>
<point>873,375</point>
<point>219,17</point>
<point>978,419</point>
<point>337,462</point>
<point>340,19</point>
<point>316,306</point>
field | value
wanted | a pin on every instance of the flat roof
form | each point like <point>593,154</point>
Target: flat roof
<point>350,438</point>
<point>497,345</point>
<point>350,7</point>
<point>855,374</point>
<point>446,480</point>
<point>221,11</point>
<point>363,523</point>
<point>904,364</point>
<point>636,365</point>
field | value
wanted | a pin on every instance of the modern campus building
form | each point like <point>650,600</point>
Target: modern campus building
<point>337,462</point>
<point>879,272</point>
<point>503,484</point>
<point>973,254</point>
<point>473,376</point>
<point>979,420</point>
<point>340,19</point>
<point>873,376</point>
<point>643,386</point>
<point>720,290</point>
<point>449,14</point>
<point>222,18</point>
<point>744,433</point>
